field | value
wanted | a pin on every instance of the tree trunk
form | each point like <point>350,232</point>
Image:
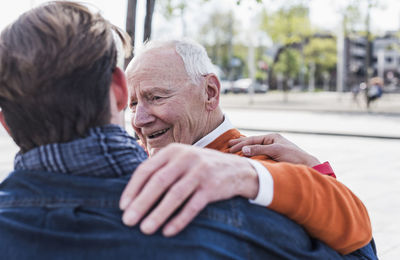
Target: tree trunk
<point>130,24</point>
<point>148,19</point>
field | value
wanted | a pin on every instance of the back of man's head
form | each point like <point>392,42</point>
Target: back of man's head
<point>56,65</point>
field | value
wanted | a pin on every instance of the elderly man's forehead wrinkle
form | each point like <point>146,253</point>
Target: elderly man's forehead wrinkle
<point>157,68</point>
<point>164,76</point>
<point>166,60</point>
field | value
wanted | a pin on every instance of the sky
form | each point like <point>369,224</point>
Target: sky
<point>323,13</point>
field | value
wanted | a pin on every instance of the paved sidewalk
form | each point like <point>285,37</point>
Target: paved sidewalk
<point>327,102</point>
<point>313,122</point>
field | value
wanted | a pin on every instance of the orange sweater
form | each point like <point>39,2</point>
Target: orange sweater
<point>326,208</point>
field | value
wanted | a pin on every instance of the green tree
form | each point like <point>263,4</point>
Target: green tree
<point>217,35</point>
<point>175,9</point>
<point>288,64</point>
<point>288,25</point>
<point>171,9</point>
<point>288,28</point>
<point>352,17</point>
<point>322,53</point>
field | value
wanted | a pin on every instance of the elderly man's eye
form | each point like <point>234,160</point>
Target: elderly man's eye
<point>156,98</point>
<point>133,104</point>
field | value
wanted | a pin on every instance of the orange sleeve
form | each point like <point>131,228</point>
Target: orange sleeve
<point>326,208</point>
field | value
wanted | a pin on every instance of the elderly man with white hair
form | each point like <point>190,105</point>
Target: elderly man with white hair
<point>174,98</point>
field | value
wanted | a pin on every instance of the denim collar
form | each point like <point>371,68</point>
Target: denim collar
<point>107,151</point>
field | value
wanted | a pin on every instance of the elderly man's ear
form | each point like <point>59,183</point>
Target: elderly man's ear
<point>119,89</point>
<point>3,122</point>
<point>213,91</point>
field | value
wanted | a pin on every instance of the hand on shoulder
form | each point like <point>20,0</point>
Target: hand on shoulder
<point>274,146</point>
<point>187,176</point>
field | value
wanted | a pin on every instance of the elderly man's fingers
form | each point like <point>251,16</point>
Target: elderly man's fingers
<point>232,142</point>
<point>151,192</point>
<point>174,198</point>
<point>141,175</point>
<point>244,141</point>
<point>238,144</point>
<point>196,204</point>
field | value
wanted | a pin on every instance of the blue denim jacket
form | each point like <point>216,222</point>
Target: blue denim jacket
<point>53,215</point>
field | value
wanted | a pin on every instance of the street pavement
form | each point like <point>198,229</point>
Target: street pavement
<point>327,102</point>
<point>362,146</point>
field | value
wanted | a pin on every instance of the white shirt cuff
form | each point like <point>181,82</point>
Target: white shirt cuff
<point>266,184</point>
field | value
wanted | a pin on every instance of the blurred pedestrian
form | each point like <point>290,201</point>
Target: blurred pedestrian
<point>375,90</point>
<point>355,91</point>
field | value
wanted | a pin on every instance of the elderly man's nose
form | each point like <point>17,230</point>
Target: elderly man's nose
<point>142,116</point>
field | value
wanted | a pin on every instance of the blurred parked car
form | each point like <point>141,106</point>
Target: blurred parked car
<point>260,88</point>
<point>226,86</point>
<point>243,86</point>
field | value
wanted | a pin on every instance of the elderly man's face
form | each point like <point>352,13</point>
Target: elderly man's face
<point>166,106</point>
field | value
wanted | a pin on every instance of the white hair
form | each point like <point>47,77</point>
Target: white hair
<point>194,56</point>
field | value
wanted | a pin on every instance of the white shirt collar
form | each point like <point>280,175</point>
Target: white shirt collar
<point>214,134</point>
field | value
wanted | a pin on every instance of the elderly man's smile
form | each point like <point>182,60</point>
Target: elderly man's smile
<point>157,134</point>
